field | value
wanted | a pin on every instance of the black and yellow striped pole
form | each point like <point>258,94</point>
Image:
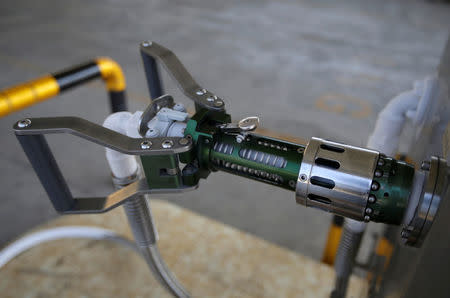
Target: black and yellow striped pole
<point>334,237</point>
<point>23,95</point>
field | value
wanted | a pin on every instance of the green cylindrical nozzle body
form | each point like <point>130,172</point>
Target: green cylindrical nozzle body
<point>278,162</point>
<point>259,157</point>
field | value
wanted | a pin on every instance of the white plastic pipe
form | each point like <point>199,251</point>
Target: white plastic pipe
<point>390,122</point>
<point>25,243</point>
<point>122,165</point>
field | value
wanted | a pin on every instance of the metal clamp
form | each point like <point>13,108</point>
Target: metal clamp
<point>336,177</point>
<point>164,101</point>
<point>182,77</point>
<point>30,133</point>
<point>415,232</point>
<point>103,136</point>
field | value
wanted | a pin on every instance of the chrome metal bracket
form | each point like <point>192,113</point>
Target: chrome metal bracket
<point>103,136</point>
<point>30,133</point>
<point>117,198</point>
<point>182,77</point>
<point>164,101</point>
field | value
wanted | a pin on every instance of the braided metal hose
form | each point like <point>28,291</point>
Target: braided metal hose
<point>345,258</point>
<point>145,235</point>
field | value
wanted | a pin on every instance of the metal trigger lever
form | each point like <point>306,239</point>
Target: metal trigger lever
<point>151,51</point>
<point>242,128</point>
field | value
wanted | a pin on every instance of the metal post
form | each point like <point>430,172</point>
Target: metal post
<point>152,75</point>
<point>44,164</point>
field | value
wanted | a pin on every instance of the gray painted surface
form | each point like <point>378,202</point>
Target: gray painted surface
<point>307,68</point>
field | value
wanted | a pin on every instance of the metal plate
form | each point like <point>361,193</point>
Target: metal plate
<point>103,136</point>
<point>104,204</point>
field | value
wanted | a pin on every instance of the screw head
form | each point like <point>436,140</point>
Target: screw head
<point>425,165</point>
<point>369,210</point>
<point>300,150</point>
<point>146,145</point>
<point>378,173</point>
<point>183,141</point>
<point>146,43</point>
<point>24,123</point>
<point>372,199</point>
<point>292,183</point>
<point>212,98</point>
<point>167,144</point>
<point>381,162</point>
<point>367,218</point>
<point>405,233</point>
<point>303,177</point>
<point>375,186</point>
<point>201,92</point>
<point>218,103</point>
<point>240,138</point>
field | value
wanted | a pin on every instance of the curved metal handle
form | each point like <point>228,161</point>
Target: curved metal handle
<point>30,133</point>
<point>202,97</point>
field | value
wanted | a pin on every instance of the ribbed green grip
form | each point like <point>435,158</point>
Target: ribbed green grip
<point>259,158</point>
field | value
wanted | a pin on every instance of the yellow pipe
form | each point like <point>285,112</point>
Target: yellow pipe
<point>112,74</point>
<point>24,95</point>
<point>331,247</point>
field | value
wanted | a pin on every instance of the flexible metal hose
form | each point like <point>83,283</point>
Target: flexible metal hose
<point>345,258</point>
<point>140,219</point>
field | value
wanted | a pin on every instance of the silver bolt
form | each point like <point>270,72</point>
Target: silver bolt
<point>292,183</point>
<point>183,141</point>
<point>218,103</point>
<point>375,186</point>
<point>146,145</point>
<point>24,123</point>
<point>369,210</point>
<point>381,162</point>
<point>378,173</point>
<point>201,92</point>
<point>212,98</point>
<point>303,177</point>
<point>167,144</point>
<point>240,138</point>
<point>405,234</point>
<point>367,218</point>
<point>300,150</point>
<point>146,44</point>
<point>372,199</point>
<point>425,165</point>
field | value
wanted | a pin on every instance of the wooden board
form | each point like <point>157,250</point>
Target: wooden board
<point>210,258</point>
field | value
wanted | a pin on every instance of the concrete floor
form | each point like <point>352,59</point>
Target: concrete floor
<point>307,68</point>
